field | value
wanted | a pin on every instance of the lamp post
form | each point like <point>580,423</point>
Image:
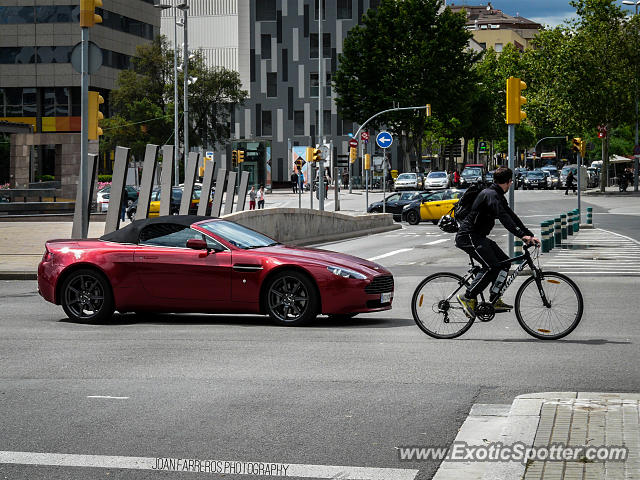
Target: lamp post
<point>635,160</point>
<point>176,140</point>
<point>184,7</point>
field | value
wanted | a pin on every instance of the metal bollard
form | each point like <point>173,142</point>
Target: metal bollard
<point>544,233</point>
<point>576,221</point>
<point>563,225</point>
<point>570,223</point>
<point>517,249</point>
<point>552,237</point>
<point>557,233</point>
<point>589,216</point>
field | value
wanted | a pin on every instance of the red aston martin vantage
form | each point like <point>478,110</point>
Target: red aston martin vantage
<point>184,263</point>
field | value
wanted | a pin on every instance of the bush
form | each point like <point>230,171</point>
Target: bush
<point>104,178</point>
<point>46,178</point>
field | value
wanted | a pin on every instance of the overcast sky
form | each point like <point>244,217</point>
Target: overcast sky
<point>550,12</point>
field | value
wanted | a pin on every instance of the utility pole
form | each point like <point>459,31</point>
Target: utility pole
<point>320,112</point>
<point>184,7</point>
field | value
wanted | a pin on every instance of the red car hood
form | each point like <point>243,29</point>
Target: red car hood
<point>316,255</point>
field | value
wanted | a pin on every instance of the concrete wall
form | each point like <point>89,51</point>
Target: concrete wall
<point>303,226</point>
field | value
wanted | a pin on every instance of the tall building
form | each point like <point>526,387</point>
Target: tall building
<point>38,85</point>
<point>274,46</point>
<point>492,28</point>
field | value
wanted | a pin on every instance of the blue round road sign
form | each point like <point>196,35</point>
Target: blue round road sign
<point>384,139</point>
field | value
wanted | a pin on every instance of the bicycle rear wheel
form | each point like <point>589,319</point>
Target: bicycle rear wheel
<point>563,312</point>
<point>433,311</point>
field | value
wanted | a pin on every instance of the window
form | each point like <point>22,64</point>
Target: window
<point>58,14</point>
<point>313,85</point>
<point>298,122</point>
<point>272,84</point>
<point>55,101</point>
<point>265,10</point>
<point>265,46</point>
<point>313,45</point>
<point>54,54</point>
<point>13,15</point>
<point>10,55</point>
<point>267,129</point>
<point>168,235</point>
<point>326,125</point>
<point>344,9</point>
<point>498,47</point>
<point>324,10</point>
<point>374,3</point>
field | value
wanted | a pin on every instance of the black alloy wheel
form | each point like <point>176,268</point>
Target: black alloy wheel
<point>87,297</point>
<point>291,299</point>
<point>413,218</point>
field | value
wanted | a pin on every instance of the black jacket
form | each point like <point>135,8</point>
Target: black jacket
<point>489,205</point>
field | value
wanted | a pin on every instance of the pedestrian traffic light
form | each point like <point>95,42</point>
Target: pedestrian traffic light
<point>95,115</point>
<point>515,100</point>
<point>317,155</point>
<point>88,16</point>
<point>583,148</point>
<point>234,156</point>
<point>367,161</point>
<point>353,154</point>
<point>240,156</point>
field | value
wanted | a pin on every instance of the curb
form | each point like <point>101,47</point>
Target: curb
<point>17,275</point>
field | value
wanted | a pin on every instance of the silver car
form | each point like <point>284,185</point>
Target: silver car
<point>437,180</point>
<point>409,181</point>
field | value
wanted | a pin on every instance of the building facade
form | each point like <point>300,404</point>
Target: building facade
<point>274,46</point>
<point>38,85</point>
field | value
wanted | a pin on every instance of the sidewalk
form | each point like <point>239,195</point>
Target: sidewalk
<point>581,419</point>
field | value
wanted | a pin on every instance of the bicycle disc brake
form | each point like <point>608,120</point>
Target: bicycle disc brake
<point>485,312</point>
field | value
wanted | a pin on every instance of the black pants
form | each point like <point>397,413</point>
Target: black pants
<point>488,254</point>
<point>572,187</point>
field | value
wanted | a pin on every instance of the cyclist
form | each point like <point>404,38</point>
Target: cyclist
<point>472,238</point>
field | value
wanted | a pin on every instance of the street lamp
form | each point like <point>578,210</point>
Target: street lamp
<point>635,160</point>
<point>176,141</point>
<point>184,7</point>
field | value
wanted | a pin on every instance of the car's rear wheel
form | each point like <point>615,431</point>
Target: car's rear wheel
<point>291,299</point>
<point>412,217</point>
<point>435,222</point>
<point>86,296</point>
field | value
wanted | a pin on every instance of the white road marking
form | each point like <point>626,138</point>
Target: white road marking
<point>107,396</point>
<point>385,255</point>
<point>437,241</point>
<point>255,469</point>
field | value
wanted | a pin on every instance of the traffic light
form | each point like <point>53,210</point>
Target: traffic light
<point>575,144</point>
<point>298,163</point>
<point>367,161</point>
<point>515,100</point>
<point>95,115</point>
<point>240,156</point>
<point>353,154</point>
<point>317,155</point>
<point>309,154</point>
<point>88,16</point>
<point>583,148</point>
<point>234,156</point>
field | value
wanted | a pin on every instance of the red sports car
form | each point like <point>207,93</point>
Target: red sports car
<point>186,263</point>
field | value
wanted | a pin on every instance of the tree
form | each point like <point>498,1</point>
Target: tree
<point>142,105</point>
<point>408,53</point>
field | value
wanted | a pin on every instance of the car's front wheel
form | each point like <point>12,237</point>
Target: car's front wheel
<point>86,296</point>
<point>412,217</point>
<point>291,299</point>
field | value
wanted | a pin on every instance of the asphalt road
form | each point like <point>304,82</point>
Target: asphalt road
<point>336,393</point>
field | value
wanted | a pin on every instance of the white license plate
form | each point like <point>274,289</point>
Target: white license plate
<point>386,297</point>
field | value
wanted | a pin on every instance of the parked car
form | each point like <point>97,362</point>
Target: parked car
<point>519,173</point>
<point>396,202</point>
<point>176,198</point>
<point>488,178</point>
<point>433,207</point>
<point>437,180</point>
<point>471,174</point>
<point>535,179</point>
<point>103,195</point>
<point>186,263</point>
<point>409,181</point>
<point>593,177</point>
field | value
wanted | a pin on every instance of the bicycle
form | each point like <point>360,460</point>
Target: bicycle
<point>541,301</point>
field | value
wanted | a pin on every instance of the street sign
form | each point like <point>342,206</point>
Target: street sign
<point>364,136</point>
<point>95,58</point>
<point>384,139</point>
<point>209,155</point>
<point>482,146</point>
<point>353,142</point>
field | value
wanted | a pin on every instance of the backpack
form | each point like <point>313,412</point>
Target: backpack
<point>462,208</point>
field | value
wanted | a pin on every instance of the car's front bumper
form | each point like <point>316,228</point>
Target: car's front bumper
<point>358,296</point>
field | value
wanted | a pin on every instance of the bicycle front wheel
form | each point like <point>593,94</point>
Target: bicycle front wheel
<point>434,311</point>
<point>562,313</point>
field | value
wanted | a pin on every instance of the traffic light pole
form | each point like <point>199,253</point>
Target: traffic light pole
<point>84,135</point>
<point>579,185</point>
<point>512,166</point>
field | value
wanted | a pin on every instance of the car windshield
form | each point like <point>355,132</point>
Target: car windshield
<point>437,175</point>
<point>566,170</point>
<point>237,235</point>
<point>535,175</point>
<point>473,171</point>
<point>406,176</point>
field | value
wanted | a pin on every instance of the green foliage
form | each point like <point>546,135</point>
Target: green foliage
<point>45,178</point>
<point>104,178</point>
<point>405,52</point>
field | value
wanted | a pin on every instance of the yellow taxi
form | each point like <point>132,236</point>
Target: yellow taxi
<point>176,197</point>
<point>433,207</point>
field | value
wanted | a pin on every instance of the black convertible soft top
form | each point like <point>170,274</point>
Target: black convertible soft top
<point>131,233</point>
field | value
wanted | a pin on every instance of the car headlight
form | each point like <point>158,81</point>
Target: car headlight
<point>346,273</point>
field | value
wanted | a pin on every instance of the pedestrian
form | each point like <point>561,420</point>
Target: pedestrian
<point>300,181</point>
<point>124,202</point>
<point>294,182</point>
<point>261,197</point>
<point>569,183</point>
<point>252,198</point>
<point>327,181</point>
<point>456,178</point>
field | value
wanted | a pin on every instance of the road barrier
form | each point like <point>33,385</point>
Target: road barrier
<point>563,225</point>
<point>557,232</point>
<point>589,216</point>
<point>570,223</point>
<point>517,244</point>
<point>554,231</point>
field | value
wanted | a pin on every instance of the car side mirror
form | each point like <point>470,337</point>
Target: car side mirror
<point>197,244</point>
